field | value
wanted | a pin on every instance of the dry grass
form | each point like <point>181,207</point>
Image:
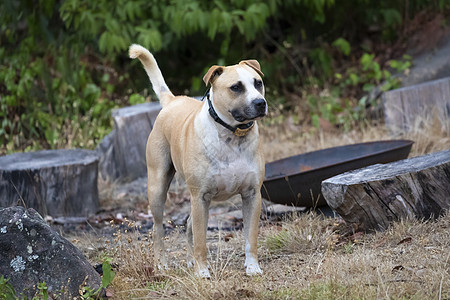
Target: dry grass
<point>306,257</point>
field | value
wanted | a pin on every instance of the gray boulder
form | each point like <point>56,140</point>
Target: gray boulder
<point>32,252</point>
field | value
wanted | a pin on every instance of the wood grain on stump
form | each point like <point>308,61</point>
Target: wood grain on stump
<point>54,182</point>
<point>406,107</point>
<point>122,152</point>
<point>378,195</point>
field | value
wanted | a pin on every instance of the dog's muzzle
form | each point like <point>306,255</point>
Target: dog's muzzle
<point>257,109</point>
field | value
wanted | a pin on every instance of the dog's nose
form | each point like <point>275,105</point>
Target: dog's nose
<point>260,104</point>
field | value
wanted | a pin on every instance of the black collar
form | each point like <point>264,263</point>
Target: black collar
<point>240,130</point>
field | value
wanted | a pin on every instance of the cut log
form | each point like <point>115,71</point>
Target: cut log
<point>376,196</point>
<point>405,107</point>
<point>122,152</point>
<point>54,182</point>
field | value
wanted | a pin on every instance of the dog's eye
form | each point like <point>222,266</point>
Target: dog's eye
<point>237,87</point>
<point>258,84</point>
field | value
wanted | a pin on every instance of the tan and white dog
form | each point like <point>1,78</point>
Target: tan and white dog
<point>214,145</point>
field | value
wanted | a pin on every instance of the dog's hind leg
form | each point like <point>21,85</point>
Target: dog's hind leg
<point>190,242</point>
<point>160,174</point>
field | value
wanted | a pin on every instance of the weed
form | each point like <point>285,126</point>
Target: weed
<point>326,291</point>
<point>301,234</point>
<point>89,293</point>
<point>43,291</point>
<point>6,290</point>
<point>348,248</point>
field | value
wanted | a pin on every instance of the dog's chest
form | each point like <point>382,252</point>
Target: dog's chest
<point>233,169</point>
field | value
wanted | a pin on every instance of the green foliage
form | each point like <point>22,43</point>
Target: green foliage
<point>278,241</point>
<point>157,285</point>
<point>89,293</point>
<point>49,98</point>
<point>108,273</point>
<point>325,291</point>
<point>63,63</point>
<point>43,291</point>
<point>7,291</point>
<point>333,105</point>
<point>342,45</point>
<point>321,58</point>
<point>136,99</point>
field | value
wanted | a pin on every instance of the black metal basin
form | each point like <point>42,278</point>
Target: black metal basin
<point>296,180</point>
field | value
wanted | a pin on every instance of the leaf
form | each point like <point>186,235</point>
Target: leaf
<point>392,17</point>
<point>136,99</point>
<point>366,61</point>
<point>315,120</point>
<point>213,23</point>
<point>108,274</point>
<point>342,46</point>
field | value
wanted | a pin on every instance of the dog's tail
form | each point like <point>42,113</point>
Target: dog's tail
<point>154,73</point>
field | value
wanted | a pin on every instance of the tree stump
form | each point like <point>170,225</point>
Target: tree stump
<point>54,182</point>
<point>376,196</point>
<point>122,152</point>
<point>405,107</point>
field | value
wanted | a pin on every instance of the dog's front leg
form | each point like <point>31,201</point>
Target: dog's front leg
<point>251,210</point>
<point>196,233</point>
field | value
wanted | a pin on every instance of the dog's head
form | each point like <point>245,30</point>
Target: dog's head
<point>238,91</point>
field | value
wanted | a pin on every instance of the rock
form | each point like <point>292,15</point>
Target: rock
<point>31,252</point>
<point>122,152</point>
<point>54,182</point>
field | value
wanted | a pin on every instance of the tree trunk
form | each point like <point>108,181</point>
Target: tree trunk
<point>378,195</point>
<point>122,152</point>
<point>406,108</point>
<point>54,182</point>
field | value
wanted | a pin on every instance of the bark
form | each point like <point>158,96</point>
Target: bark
<point>406,108</point>
<point>54,182</point>
<point>122,152</point>
<point>378,195</point>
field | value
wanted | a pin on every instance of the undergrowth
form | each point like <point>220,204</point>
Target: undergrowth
<point>63,63</point>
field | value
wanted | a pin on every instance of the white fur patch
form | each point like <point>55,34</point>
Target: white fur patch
<point>251,263</point>
<point>203,273</point>
<point>248,80</point>
<point>234,164</point>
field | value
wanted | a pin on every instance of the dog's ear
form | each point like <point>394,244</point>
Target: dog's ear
<point>212,74</point>
<point>254,64</point>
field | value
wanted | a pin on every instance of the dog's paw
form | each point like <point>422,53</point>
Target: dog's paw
<point>190,263</point>
<point>253,269</point>
<point>203,273</point>
<point>162,267</point>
